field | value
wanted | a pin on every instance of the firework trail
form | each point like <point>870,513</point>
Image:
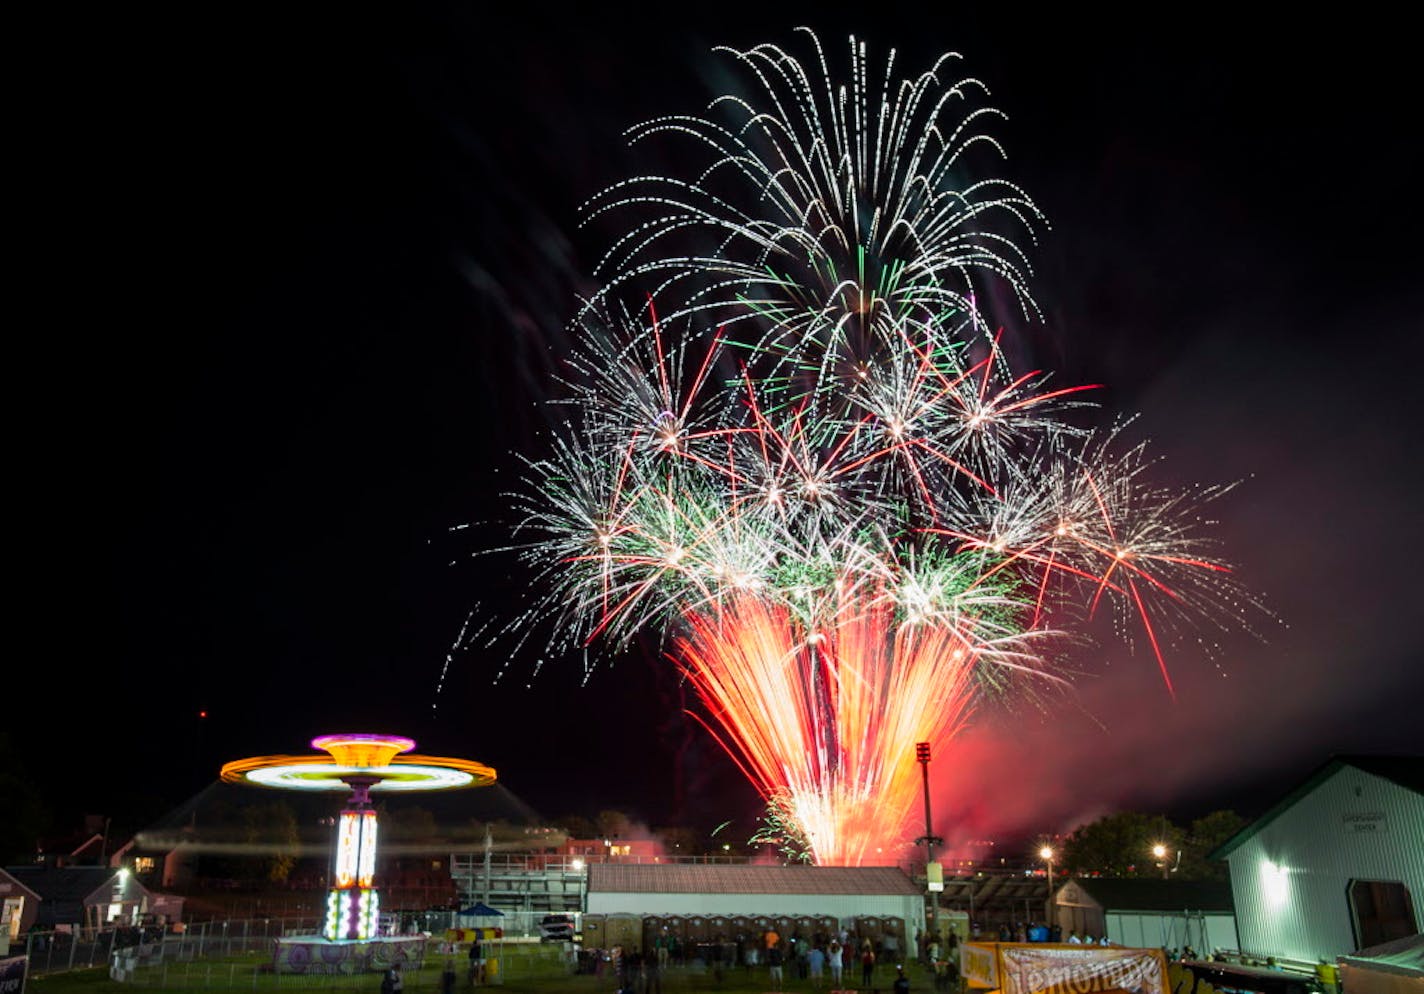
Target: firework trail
<point>816,472</point>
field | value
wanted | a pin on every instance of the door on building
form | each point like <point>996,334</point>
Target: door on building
<point>1382,910</point>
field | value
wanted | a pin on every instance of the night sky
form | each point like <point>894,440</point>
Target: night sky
<point>297,278</point>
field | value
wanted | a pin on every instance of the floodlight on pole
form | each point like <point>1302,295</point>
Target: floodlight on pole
<point>933,885</point>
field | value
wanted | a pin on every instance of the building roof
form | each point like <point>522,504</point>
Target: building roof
<point>7,875</point>
<point>64,883</point>
<point>1400,957</point>
<point>1141,894</point>
<point>1403,771</point>
<point>687,878</point>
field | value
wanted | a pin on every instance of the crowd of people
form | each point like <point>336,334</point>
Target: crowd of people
<point>830,961</point>
<point>827,961</point>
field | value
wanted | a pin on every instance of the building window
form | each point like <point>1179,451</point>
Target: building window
<point>1382,910</point>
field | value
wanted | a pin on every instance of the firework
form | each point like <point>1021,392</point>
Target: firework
<point>828,489</point>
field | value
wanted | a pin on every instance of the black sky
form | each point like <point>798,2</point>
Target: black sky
<point>295,278</point>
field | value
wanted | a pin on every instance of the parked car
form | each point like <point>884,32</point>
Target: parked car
<point>556,928</point>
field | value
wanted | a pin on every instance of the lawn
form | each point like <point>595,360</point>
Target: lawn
<point>244,973</point>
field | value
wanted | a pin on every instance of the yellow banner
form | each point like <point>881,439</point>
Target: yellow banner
<point>979,964</point>
<point>1040,969</point>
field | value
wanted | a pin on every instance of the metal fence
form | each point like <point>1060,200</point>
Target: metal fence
<point>80,949</point>
<point>238,954</point>
<point>506,961</point>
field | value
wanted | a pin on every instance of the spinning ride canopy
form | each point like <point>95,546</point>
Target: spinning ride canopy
<point>374,761</point>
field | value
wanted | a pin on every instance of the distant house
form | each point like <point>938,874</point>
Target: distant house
<point>86,845</point>
<point>1336,865</point>
<point>19,907</point>
<point>1149,913</point>
<point>87,897</point>
<point>607,850</point>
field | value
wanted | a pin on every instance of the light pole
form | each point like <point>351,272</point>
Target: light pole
<point>922,756</point>
<point>1046,854</point>
<point>1159,851</point>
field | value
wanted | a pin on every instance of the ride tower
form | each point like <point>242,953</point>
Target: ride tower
<point>361,763</point>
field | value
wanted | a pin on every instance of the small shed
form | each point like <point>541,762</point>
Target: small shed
<point>1156,914</point>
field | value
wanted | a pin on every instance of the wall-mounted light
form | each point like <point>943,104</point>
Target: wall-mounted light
<point>1275,883</point>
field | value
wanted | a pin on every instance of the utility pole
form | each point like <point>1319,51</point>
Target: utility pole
<point>922,756</point>
<point>489,853</point>
<point>1046,854</point>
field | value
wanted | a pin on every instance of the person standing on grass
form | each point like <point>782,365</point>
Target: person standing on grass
<point>477,963</point>
<point>773,960</point>
<point>816,965</point>
<point>867,963</point>
<point>836,955</point>
<point>653,974</point>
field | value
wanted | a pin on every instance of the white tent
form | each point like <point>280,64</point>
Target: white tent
<point>1395,967</point>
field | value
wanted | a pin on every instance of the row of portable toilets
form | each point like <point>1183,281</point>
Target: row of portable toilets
<point>723,937</point>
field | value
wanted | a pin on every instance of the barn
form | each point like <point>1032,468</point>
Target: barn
<point>1336,865</point>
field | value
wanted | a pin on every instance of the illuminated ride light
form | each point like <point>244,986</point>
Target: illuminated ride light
<point>346,834</point>
<point>366,863</point>
<point>331,926</point>
<point>367,904</point>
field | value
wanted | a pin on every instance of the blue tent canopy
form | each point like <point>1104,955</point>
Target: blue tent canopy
<point>482,910</point>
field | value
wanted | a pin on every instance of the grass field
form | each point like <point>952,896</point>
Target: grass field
<point>244,974</point>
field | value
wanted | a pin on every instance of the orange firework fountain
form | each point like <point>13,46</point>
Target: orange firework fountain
<point>362,764</point>
<point>824,717</point>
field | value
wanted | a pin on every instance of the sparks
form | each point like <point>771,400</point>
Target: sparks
<point>845,511</point>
